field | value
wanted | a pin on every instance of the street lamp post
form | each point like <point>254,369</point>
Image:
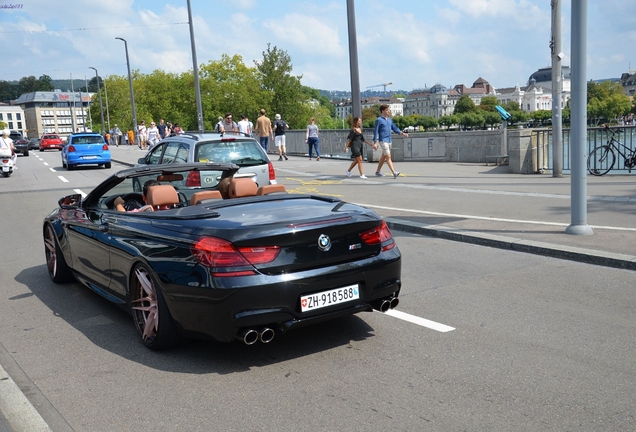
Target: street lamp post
<point>99,92</point>
<point>195,70</point>
<point>132,93</point>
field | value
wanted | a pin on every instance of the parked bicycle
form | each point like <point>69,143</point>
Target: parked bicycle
<point>602,159</point>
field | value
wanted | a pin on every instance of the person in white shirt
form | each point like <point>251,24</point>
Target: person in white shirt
<point>7,143</point>
<point>142,134</point>
<point>244,126</point>
<point>153,134</point>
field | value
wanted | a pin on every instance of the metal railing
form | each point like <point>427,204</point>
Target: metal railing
<point>542,160</point>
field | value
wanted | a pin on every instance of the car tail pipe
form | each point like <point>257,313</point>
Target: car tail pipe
<point>250,336</point>
<point>266,335</point>
<point>384,304</point>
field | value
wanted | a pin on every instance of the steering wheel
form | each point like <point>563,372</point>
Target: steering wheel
<point>133,201</point>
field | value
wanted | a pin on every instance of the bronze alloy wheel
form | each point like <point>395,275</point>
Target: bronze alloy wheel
<point>55,263</point>
<point>145,305</point>
<point>151,315</point>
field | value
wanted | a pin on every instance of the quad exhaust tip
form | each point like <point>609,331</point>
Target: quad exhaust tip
<point>385,304</point>
<point>251,336</point>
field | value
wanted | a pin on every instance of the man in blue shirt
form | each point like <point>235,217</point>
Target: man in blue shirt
<point>382,134</point>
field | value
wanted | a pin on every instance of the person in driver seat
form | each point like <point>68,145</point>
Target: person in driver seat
<point>119,201</point>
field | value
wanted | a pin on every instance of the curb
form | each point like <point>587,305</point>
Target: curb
<point>606,259</point>
<point>16,408</point>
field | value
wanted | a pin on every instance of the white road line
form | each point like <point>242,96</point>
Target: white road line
<point>79,191</point>
<point>419,321</point>
<point>491,219</point>
<point>46,164</point>
<point>63,179</point>
<point>52,170</point>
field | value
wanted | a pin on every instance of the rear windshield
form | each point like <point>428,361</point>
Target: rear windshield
<point>240,152</point>
<point>50,137</point>
<point>88,140</point>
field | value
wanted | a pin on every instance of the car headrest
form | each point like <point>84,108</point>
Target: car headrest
<point>203,195</point>
<point>268,189</point>
<point>242,187</point>
<point>162,195</point>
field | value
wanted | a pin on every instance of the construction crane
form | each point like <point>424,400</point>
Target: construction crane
<point>381,85</point>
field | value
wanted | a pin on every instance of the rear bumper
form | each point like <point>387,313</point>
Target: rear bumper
<point>84,160</point>
<point>51,146</point>
<point>274,300</point>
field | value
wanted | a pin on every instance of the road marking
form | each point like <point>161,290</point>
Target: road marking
<point>63,179</point>
<point>419,321</point>
<point>492,219</point>
<point>79,191</point>
<point>46,164</point>
<point>52,170</point>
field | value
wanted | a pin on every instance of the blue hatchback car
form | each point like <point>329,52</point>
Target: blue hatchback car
<point>85,149</point>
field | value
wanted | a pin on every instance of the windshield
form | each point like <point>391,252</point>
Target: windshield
<point>88,140</point>
<point>239,152</point>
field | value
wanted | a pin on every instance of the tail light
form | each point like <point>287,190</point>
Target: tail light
<point>272,173</point>
<point>220,253</point>
<point>379,235</point>
<point>5,161</point>
<point>105,147</point>
<point>71,149</point>
<point>193,179</point>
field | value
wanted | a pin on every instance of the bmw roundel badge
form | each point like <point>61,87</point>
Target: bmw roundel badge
<point>324,242</point>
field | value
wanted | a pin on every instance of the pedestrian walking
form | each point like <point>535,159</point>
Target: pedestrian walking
<point>280,126</point>
<point>141,135</point>
<point>355,141</point>
<point>311,138</point>
<point>382,136</point>
<point>264,129</point>
<point>219,125</point>
<point>131,136</point>
<point>244,126</point>
<point>116,136</point>
<point>162,128</point>
<point>228,124</point>
<point>153,134</point>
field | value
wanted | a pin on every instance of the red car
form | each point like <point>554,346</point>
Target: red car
<point>51,141</point>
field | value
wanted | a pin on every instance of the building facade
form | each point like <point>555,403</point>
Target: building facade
<point>13,117</point>
<point>344,108</point>
<point>55,112</point>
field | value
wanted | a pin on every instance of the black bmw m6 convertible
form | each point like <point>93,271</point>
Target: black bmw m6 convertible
<point>205,253</point>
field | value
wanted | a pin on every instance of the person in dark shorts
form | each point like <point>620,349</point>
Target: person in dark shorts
<point>355,141</point>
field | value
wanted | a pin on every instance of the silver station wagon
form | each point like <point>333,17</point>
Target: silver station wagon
<point>233,148</point>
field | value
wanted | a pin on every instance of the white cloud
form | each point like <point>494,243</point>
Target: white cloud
<point>308,33</point>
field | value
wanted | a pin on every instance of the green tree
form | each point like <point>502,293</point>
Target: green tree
<point>284,90</point>
<point>427,122</point>
<point>8,91</point>
<point>491,118</point>
<point>448,120</point>
<point>541,116</point>
<point>464,105</point>
<point>488,103</point>
<point>472,119</point>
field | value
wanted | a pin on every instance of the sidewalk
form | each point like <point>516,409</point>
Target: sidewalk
<point>478,204</point>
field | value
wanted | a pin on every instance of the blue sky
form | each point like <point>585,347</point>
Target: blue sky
<point>411,43</point>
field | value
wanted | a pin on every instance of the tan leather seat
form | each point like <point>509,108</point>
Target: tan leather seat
<point>242,187</point>
<point>268,189</point>
<point>161,197</point>
<point>203,195</point>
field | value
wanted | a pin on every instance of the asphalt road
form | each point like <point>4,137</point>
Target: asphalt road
<point>530,343</point>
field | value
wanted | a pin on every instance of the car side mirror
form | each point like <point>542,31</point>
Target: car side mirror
<point>70,201</point>
<point>142,160</point>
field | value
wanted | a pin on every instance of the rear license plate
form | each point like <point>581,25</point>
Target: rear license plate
<point>329,298</point>
<point>5,168</point>
<point>89,157</point>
